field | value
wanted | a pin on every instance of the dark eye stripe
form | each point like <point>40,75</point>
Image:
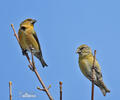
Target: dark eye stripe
<point>82,48</point>
<point>23,28</point>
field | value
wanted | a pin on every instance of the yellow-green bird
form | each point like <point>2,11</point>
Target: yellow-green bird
<point>86,63</point>
<point>28,39</point>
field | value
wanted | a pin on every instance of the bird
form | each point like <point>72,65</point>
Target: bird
<point>86,62</point>
<point>29,41</point>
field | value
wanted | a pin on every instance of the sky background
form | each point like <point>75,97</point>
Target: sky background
<point>62,26</point>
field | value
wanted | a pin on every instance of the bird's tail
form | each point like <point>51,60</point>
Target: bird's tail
<point>43,62</point>
<point>41,59</point>
<point>104,89</point>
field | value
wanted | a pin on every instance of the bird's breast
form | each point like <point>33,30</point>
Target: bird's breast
<point>85,66</point>
<point>22,40</point>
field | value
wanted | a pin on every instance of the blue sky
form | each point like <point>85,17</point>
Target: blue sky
<point>61,27</point>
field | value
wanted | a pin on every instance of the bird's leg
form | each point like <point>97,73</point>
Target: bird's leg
<point>32,53</point>
<point>24,52</point>
<point>31,48</point>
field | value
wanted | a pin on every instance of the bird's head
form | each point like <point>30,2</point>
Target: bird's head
<point>83,50</point>
<point>28,23</point>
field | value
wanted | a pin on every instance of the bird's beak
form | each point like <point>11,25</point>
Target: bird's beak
<point>33,21</point>
<point>78,51</point>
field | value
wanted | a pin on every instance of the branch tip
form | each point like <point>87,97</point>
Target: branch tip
<point>49,87</point>
<point>60,83</point>
<point>94,52</point>
<point>10,83</point>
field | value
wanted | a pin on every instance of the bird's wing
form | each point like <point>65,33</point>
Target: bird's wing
<point>21,39</point>
<point>97,75</point>
<point>98,71</point>
<point>35,36</point>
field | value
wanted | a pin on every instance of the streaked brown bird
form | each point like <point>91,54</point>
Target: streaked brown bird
<point>29,41</point>
<point>86,63</point>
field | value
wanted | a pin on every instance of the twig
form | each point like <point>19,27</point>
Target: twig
<point>93,72</point>
<point>43,89</point>
<point>10,89</point>
<point>32,67</point>
<point>40,80</point>
<point>15,34</point>
<point>60,90</point>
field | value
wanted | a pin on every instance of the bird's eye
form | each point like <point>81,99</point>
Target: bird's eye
<point>82,48</point>
<point>23,28</point>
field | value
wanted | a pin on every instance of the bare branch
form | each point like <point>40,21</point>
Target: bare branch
<point>10,90</point>
<point>60,90</point>
<point>15,34</point>
<point>43,89</point>
<point>93,72</point>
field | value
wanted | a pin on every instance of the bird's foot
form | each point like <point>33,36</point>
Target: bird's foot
<point>31,49</point>
<point>24,52</point>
